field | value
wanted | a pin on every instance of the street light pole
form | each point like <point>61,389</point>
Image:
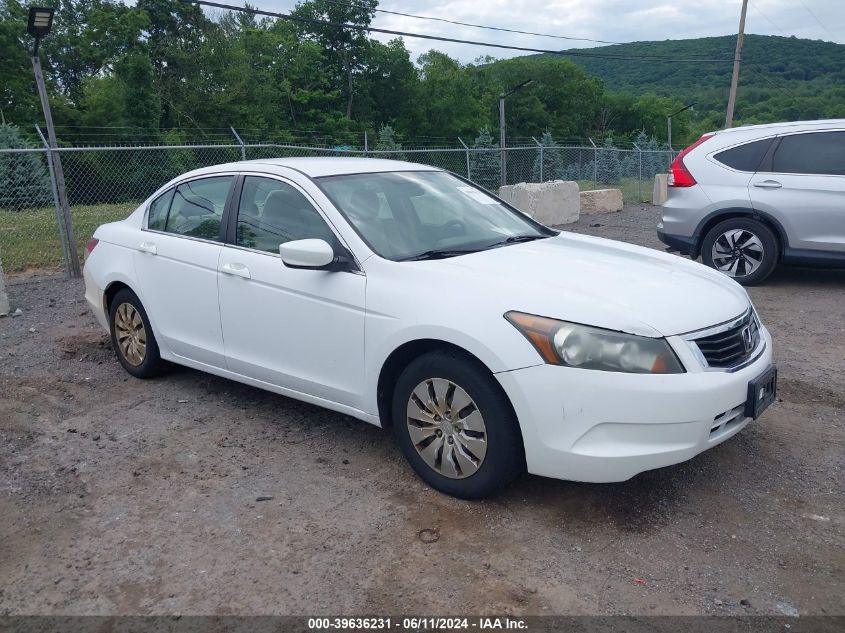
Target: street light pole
<point>39,24</point>
<point>669,122</point>
<point>503,157</point>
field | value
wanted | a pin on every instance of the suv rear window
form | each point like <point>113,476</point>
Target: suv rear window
<point>745,157</point>
<point>812,153</point>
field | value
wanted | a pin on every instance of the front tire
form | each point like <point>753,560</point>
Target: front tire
<point>132,337</point>
<point>456,427</point>
<point>744,249</point>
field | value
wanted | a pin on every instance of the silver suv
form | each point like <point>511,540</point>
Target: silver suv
<point>747,198</point>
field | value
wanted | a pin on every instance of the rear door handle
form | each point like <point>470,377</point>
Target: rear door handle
<point>148,247</point>
<point>238,270</point>
<point>768,184</point>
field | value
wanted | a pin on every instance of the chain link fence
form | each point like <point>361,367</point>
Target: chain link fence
<point>104,184</point>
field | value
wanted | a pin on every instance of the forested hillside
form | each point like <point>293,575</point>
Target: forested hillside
<point>781,78</point>
<point>165,71</point>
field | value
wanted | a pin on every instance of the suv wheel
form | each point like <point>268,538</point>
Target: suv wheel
<point>456,427</point>
<point>742,248</point>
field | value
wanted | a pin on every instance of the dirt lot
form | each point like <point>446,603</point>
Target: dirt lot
<point>121,496</point>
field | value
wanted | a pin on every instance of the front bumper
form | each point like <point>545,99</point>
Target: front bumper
<point>595,426</point>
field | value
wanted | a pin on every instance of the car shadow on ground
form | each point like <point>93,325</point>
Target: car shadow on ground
<point>807,277</point>
<point>643,504</point>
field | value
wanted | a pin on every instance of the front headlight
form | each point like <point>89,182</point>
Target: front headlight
<point>574,345</point>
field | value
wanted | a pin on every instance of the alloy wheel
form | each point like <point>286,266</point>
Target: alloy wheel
<point>131,334</point>
<point>737,252</point>
<point>446,428</point>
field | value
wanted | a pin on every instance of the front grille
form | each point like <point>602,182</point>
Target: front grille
<point>732,346</point>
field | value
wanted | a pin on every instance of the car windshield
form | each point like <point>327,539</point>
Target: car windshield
<point>426,214</point>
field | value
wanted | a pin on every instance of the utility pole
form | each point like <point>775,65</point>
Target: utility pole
<point>729,117</point>
<point>503,160</point>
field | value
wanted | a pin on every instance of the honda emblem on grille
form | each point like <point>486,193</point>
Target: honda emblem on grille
<point>747,338</point>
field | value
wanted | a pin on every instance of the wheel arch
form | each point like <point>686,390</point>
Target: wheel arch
<point>721,215</point>
<point>400,357</point>
<point>111,291</point>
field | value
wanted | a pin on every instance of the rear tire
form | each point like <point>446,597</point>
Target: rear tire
<point>744,249</point>
<point>456,427</point>
<point>132,337</point>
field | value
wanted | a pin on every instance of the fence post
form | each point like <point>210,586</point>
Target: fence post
<point>540,145</point>
<point>469,175</point>
<point>56,202</point>
<point>240,142</point>
<point>4,298</point>
<point>595,163</point>
<point>640,178</point>
<point>366,143</point>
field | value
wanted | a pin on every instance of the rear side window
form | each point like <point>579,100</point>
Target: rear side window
<point>157,217</point>
<point>745,157</point>
<point>197,207</point>
<point>813,153</point>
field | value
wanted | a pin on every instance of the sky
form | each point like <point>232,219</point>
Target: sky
<point>611,20</point>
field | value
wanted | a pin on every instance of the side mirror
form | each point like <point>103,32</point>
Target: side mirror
<point>306,253</point>
<point>313,254</point>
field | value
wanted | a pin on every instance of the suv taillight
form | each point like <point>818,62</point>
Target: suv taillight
<point>679,175</point>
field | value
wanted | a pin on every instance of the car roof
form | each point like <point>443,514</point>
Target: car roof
<point>315,167</point>
<point>785,126</point>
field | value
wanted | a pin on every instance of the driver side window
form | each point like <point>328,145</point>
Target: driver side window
<point>272,212</point>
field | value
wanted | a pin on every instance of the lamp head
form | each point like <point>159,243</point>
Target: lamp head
<point>40,21</point>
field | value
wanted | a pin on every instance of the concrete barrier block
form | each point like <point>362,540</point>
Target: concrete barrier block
<point>549,203</point>
<point>661,189</point>
<point>601,201</point>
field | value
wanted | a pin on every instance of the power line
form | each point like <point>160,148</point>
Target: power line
<point>768,19</point>
<point>469,24</point>
<point>440,38</point>
<point>832,37</point>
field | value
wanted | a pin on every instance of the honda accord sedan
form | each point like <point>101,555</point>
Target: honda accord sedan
<point>407,297</point>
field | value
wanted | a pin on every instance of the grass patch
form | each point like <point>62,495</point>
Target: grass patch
<point>29,239</point>
<point>630,188</point>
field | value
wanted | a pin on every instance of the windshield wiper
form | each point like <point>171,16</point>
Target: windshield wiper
<point>438,253</point>
<point>443,253</point>
<point>516,239</point>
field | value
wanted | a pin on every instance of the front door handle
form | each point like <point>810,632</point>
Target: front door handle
<point>768,184</point>
<point>148,247</point>
<point>238,270</point>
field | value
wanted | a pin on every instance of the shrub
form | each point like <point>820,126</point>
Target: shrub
<point>24,182</point>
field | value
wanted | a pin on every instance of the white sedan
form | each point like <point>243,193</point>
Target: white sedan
<point>410,298</point>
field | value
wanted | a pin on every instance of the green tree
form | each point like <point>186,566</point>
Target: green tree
<point>561,97</point>
<point>87,36</point>
<point>553,166</point>
<point>24,183</point>
<point>608,163</point>
<point>484,161</point>
<point>447,104</point>
<point>346,49</point>
<point>388,85</point>
<point>18,102</point>
<point>387,143</point>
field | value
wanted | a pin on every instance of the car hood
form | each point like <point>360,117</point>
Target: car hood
<point>597,282</point>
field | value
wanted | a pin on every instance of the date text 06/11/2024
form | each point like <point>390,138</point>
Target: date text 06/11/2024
<point>417,623</point>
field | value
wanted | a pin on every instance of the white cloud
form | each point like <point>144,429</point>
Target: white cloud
<point>613,20</point>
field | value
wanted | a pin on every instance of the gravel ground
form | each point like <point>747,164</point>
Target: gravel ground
<point>122,496</point>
